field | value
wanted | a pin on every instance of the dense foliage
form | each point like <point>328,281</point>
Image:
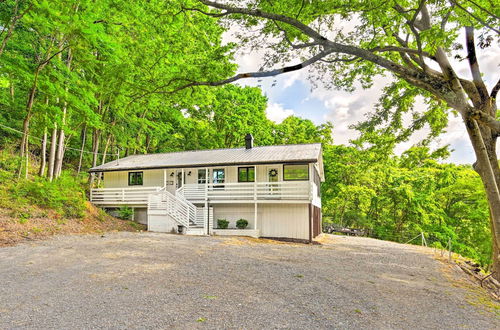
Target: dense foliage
<point>398,198</point>
<point>88,81</point>
<point>65,196</point>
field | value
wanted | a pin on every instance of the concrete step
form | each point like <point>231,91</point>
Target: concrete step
<point>195,231</point>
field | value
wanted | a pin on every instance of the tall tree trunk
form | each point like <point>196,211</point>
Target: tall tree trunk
<point>59,154</point>
<point>84,137</point>
<point>31,100</point>
<point>483,145</point>
<point>11,88</point>
<point>43,155</point>
<point>106,146</point>
<point>61,149</point>
<point>96,135</point>
<point>29,109</point>
<point>104,154</point>
<point>52,154</point>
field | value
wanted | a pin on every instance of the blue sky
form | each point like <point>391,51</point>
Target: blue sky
<point>293,94</point>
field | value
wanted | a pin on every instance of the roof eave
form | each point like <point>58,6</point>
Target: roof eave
<point>96,169</point>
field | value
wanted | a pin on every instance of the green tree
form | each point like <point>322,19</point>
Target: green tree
<point>412,41</point>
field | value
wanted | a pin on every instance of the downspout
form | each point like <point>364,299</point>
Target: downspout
<point>208,219</point>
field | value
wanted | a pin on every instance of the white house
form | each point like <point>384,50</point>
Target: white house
<point>275,188</point>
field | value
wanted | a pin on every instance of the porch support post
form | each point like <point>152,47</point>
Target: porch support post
<point>255,216</point>
<point>164,178</point>
<point>206,183</point>
<point>207,207</point>
<point>91,185</point>
<point>182,178</point>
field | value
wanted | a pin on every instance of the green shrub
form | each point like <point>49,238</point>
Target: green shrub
<point>241,224</point>
<point>125,213</point>
<point>222,223</point>
<point>64,195</point>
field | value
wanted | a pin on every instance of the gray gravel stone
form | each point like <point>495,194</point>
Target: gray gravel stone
<point>151,281</point>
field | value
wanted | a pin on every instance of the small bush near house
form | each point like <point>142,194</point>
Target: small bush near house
<point>125,213</point>
<point>222,223</point>
<point>241,224</point>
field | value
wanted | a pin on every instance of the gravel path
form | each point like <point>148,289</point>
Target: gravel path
<point>146,280</point>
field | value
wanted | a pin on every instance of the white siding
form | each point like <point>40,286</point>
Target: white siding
<point>284,220</point>
<point>162,223</point>
<point>119,179</point>
<point>234,212</point>
<point>273,220</point>
<point>155,178</point>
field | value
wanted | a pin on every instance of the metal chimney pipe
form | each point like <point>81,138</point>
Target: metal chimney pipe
<point>249,141</point>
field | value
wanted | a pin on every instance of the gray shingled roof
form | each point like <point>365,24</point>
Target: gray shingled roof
<point>238,156</point>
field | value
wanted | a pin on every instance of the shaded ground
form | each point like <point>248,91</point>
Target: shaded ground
<point>146,280</point>
<point>16,227</point>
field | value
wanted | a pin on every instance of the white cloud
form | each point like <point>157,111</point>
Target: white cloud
<point>277,113</point>
<point>291,78</point>
<point>344,109</point>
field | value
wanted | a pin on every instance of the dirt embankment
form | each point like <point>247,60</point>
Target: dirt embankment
<point>38,223</point>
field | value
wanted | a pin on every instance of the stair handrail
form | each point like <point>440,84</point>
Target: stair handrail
<point>179,193</point>
<point>172,205</point>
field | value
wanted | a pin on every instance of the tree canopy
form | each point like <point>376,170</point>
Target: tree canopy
<point>414,42</point>
<point>83,82</point>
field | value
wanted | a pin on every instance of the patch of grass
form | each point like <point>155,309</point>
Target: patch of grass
<point>298,275</point>
<point>101,215</point>
<point>209,297</point>
<point>135,225</point>
<point>22,217</point>
<point>357,311</point>
<point>201,320</point>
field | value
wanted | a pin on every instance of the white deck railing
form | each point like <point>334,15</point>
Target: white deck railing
<point>163,202</point>
<point>129,195</point>
<point>249,191</point>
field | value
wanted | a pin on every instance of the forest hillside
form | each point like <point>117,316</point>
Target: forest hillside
<point>83,82</point>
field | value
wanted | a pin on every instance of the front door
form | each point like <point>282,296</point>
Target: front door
<point>273,175</point>
<point>178,177</point>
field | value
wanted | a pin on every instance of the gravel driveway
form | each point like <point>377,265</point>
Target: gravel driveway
<point>146,280</point>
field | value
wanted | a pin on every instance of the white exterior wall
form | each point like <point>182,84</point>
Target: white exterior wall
<point>283,220</point>
<point>162,223</point>
<point>119,179</point>
<point>233,213</point>
<point>158,178</point>
<point>273,220</point>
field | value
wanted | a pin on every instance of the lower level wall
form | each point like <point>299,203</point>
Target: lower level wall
<point>234,212</point>
<point>273,220</point>
<point>284,220</point>
<point>162,223</point>
<point>141,215</point>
